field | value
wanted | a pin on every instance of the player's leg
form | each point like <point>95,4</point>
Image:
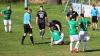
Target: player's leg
<point>31,36</point>
<point>25,33</point>
<point>93,25</point>
<point>6,24</point>
<point>10,24</point>
<point>77,43</point>
<point>43,29</point>
<point>71,43</point>
<point>40,28</point>
<point>85,37</point>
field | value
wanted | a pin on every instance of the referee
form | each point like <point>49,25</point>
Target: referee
<point>41,19</point>
<point>27,26</point>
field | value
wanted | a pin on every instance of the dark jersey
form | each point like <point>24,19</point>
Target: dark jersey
<point>41,16</point>
<point>72,14</point>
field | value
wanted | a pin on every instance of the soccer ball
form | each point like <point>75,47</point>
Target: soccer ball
<point>87,38</point>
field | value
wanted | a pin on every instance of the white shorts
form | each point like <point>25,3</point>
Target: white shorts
<point>60,40</point>
<point>7,22</point>
<point>83,35</point>
<point>74,38</point>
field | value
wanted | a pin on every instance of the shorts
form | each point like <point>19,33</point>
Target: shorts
<point>27,29</point>
<point>74,38</point>
<point>94,19</point>
<point>83,35</point>
<point>41,26</point>
<point>7,22</point>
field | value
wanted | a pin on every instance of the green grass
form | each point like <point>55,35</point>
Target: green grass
<point>10,42</point>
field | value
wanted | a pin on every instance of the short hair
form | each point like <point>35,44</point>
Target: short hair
<point>93,4</point>
<point>41,6</point>
<point>30,10</point>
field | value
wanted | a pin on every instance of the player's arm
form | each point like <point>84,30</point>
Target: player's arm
<point>30,25</point>
<point>46,18</point>
<point>58,27</point>
<point>51,41</point>
<point>37,18</point>
<point>76,16</point>
<point>67,17</point>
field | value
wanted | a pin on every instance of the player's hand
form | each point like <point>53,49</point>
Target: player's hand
<point>31,27</point>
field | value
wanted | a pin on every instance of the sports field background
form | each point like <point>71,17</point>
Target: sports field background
<point>10,42</point>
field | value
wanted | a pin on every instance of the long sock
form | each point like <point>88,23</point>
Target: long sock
<point>77,45</point>
<point>84,44</point>
<point>22,41</point>
<point>5,28</point>
<point>71,46</point>
<point>42,33</point>
<point>31,38</point>
<point>9,28</point>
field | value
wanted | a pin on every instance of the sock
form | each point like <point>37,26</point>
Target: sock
<point>22,41</point>
<point>84,44</point>
<point>77,45</point>
<point>71,46</point>
<point>5,28</point>
<point>31,38</point>
<point>42,32</point>
<point>9,28</point>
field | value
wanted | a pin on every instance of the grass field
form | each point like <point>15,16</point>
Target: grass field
<point>10,42</point>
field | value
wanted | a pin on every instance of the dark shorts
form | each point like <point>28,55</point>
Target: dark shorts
<point>94,19</point>
<point>41,26</point>
<point>27,29</point>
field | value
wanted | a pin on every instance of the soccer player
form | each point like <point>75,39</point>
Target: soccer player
<point>57,37</point>
<point>94,14</point>
<point>27,26</point>
<point>84,23</point>
<point>41,18</point>
<point>73,30</point>
<point>70,14</point>
<point>7,18</point>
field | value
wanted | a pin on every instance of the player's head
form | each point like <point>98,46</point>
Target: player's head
<point>8,7</point>
<point>29,10</point>
<point>41,8</point>
<point>94,5</point>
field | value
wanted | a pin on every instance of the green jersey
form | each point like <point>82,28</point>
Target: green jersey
<point>7,14</point>
<point>56,35</point>
<point>72,27</point>
<point>84,22</point>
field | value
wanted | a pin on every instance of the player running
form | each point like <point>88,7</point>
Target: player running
<point>41,18</point>
<point>7,18</point>
<point>57,37</point>
<point>27,26</point>
<point>73,30</point>
<point>84,23</point>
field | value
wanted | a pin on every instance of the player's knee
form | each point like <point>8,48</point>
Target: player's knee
<point>25,34</point>
<point>30,34</point>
